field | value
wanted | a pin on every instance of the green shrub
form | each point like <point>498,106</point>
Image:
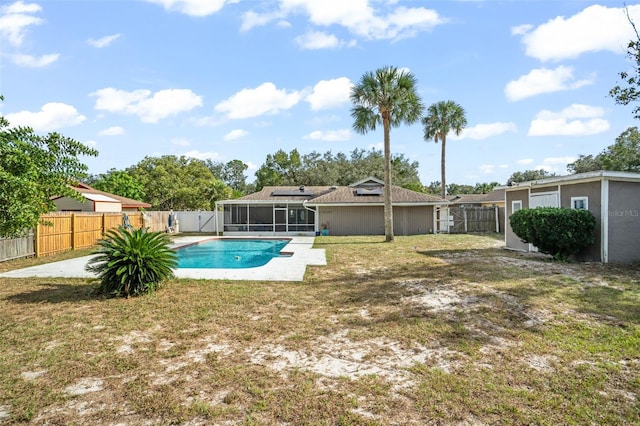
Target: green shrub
<point>559,232</point>
<point>132,261</point>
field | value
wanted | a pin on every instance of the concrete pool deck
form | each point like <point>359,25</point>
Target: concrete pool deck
<point>285,268</point>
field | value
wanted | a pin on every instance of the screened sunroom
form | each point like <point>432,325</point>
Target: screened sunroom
<point>273,210</point>
<point>268,218</point>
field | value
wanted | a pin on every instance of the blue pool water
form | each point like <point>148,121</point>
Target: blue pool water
<point>227,253</point>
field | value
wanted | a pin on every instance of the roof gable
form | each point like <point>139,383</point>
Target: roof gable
<point>367,182</point>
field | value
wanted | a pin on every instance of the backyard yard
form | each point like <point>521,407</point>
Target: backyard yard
<point>436,329</point>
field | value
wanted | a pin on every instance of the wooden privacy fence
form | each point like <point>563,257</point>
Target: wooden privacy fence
<point>72,231</point>
<point>476,219</point>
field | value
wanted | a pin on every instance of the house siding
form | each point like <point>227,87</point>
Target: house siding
<point>592,191</point>
<point>412,220</point>
<point>624,222</point>
<point>70,204</point>
<point>512,241</point>
<point>364,220</point>
<point>369,220</point>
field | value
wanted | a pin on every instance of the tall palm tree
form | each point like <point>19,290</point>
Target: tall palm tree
<point>443,117</point>
<point>387,96</point>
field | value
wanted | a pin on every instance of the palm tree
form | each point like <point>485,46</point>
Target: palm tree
<point>132,261</point>
<point>441,118</point>
<point>387,96</point>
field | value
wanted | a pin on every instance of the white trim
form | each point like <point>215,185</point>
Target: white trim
<point>604,221</point>
<point>582,198</point>
<point>580,177</point>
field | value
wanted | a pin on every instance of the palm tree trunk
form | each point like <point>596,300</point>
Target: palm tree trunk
<point>442,167</point>
<point>388,209</point>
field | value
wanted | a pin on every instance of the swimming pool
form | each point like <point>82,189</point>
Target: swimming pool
<point>230,253</point>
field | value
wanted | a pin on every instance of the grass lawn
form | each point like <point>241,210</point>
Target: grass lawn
<point>437,329</point>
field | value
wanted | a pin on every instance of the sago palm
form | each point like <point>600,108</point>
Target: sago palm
<point>386,97</point>
<point>443,117</point>
<point>132,261</point>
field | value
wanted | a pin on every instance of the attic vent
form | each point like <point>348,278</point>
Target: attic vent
<point>369,191</point>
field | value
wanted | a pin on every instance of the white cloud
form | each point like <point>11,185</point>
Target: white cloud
<point>491,168</point>
<point>543,80</point>
<point>525,161</point>
<point>197,8</point>
<point>357,16</point>
<point>112,131</point>
<point>235,134</point>
<point>103,41</point>
<point>264,99</point>
<point>52,116</point>
<point>314,40</point>
<point>575,120</point>
<point>32,61</point>
<point>555,164</point>
<point>485,130</point>
<point>330,136</point>
<point>330,93</point>
<point>595,28</point>
<point>202,155</point>
<point>521,29</point>
<point>15,19</point>
<point>180,141</point>
<point>91,143</point>
<point>252,19</point>
<point>150,109</point>
<point>251,166</point>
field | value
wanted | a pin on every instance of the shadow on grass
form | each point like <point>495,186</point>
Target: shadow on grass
<point>57,293</point>
<point>610,303</point>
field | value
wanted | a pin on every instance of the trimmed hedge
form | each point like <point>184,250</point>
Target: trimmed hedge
<point>559,232</point>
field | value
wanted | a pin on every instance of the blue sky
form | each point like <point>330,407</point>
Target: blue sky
<point>241,79</point>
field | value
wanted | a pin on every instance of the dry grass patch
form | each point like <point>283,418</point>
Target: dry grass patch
<point>429,330</point>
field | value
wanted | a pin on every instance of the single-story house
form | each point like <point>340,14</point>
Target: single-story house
<point>357,209</point>
<point>95,200</point>
<point>612,197</point>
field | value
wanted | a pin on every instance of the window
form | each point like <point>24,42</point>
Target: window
<point>580,203</point>
<point>516,205</point>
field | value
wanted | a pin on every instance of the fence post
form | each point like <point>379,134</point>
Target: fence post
<point>464,213</point>
<point>73,231</point>
<point>36,242</point>
<point>497,219</point>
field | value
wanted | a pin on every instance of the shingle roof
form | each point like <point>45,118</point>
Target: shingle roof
<point>337,195</point>
<point>467,198</point>
<point>286,193</point>
<point>83,189</point>
<point>494,196</point>
<point>497,195</point>
<point>348,195</point>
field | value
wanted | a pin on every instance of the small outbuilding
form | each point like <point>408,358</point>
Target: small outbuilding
<point>94,200</point>
<point>612,197</point>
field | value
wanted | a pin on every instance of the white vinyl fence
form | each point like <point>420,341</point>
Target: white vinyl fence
<point>198,221</point>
